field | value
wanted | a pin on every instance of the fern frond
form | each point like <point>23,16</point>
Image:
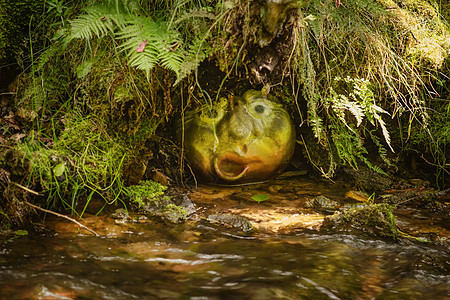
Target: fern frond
<point>198,50</point>
<point>146,42</point>
<point>371,166</point>
<point>171,60</point>
<point>144,61</point>
<point>137,30</point>
<point>385,131</point>
<point>161,44</point>
<point>317,125</point>
<point>340,103</point>
<point>170,53</point>
<point>97,21</point>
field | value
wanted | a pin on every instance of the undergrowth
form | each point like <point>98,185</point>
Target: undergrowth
<point>145,192</point>
<point>150,198</point>
<point>147,40</point>
<point>83,162</point>
<point>393,50</point>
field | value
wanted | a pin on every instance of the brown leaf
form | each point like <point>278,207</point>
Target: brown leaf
<point>160,178</point>
<point>142,46</point>
<point>18,136</point>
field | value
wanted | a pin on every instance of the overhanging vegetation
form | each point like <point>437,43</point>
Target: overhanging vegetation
<point>102,82</point>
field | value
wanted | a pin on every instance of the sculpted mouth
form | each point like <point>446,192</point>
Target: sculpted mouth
<point>231,166</point>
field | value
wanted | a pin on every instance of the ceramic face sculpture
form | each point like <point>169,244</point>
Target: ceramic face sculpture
<point>249,139</point>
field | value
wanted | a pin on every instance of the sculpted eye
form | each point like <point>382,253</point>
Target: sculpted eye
<point>212,116</point>
<point>259,109</point>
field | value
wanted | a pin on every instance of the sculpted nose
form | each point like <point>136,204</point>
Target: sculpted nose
<point>242,131</point>
<point>240,125</point>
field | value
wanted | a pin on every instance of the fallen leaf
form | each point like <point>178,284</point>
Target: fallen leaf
<point>18,136</point>
<point>142,46</point>
<point>160,178</point>
<point>260,198</point>
<point>58,170</point>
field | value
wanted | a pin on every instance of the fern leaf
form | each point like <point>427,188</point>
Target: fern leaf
<point>317,126</point>
<point>146,42</point>
<point>144,61</point>
<point>141,29</point>
<point>171,60</point>
<point>97,21</point>
<point>385,131</point>
<point>170,54</point>
<point>198,51</point>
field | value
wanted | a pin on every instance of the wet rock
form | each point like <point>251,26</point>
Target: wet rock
<point>183,201</point>
<point>166,210</point>
<point>281,220</point>
<point>292,174</point>
<point>275,188</point>
<point>368,180</point>
<point>323,203</point>
<point>121,216</point>
<point>152,198</point>
<point>231,220</point>
<point>174,209</point>
<point>418,198</point>
<point>374,219</point>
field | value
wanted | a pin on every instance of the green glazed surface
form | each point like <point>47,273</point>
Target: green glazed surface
<point>248,139</point>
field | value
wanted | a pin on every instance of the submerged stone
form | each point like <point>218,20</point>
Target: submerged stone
<point>248,139</point>
<point>323,203</point>
<point>232,220</point>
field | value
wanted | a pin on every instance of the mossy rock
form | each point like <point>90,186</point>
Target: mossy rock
<point>151,199</point>
<point>374,219</point>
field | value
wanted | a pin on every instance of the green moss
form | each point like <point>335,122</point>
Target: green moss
<point>375,219</point>
<point>175,213</point>
<point>145,192</point>
<point>82,161</point>
<point>150,198</point>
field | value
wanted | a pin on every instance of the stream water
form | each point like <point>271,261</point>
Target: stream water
<point>203,260</point>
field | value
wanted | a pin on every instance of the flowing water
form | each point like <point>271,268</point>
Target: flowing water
<point>203,260</point>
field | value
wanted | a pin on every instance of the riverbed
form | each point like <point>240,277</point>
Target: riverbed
<point>281,254</point>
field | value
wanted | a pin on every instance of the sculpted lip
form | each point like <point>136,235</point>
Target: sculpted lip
<point>232,166</point>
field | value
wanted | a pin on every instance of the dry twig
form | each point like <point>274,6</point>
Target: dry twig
<point>51,212</point>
